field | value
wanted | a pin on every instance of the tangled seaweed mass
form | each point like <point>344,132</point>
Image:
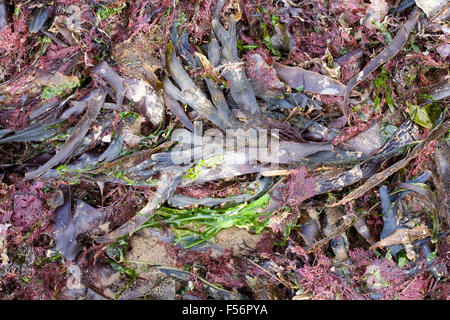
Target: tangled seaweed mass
<point>229,149</point>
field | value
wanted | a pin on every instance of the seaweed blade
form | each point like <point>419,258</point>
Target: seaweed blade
<point>80,130</point>
<point>390,51</point>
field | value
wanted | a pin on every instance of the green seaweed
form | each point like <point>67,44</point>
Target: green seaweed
<point>197,225</point>
<point>195,171</point>
<point>380,27</point>
<point>381,83</point>
<point>51,92</point>
<point>267,39</point>
<point>243,47</point>
<point>426,115</point>
<point>105,12</point>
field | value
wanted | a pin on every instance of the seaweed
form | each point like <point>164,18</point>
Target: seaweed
<point>207,222</point>
<point>165,208</point>
<point>387,53</point>
<point>308,80</point>
<point>439,129</point>
<point>166,186</point>
<point>190,93</point>
<point>3,14</point>
<point>80,130</point>
<point>65,230</point>
<point>240,88</point>
<point>36,132</point>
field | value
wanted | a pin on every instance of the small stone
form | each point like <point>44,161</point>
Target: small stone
<point>56,199</point>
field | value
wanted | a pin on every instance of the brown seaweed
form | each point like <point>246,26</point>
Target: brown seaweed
<point>310,81</point>
<point>400,141</point>
<point>167,184</point>
<point>3,14</point>
<point>38,18</point>
<point>36,132</point>
<point>65,232</point>
<point>189,93</point>
<point>217,96</point>
<point>440,90</point>
<point>383,175</point>
<point>240,87</point>
<point>403,236</point>
<point>387,53</point>
<point>309,231</point>
<point>80,130</point>
<point>178,111</point>
<point>105,71</point>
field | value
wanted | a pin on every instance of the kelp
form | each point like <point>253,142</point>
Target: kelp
<point>240,87</point>
<point>80,130</point>
<point>136,161</point>
<point>366,165</point>
<point>402,6</point>
<point>434,9</point>
<point>37,19</point>
<point>310,81</point>
<point>343,179</point>
<point>363,166</point>
<point>65,231</point>
<point>84,163</point>
<point>178,111</point>
<point>440,128</point>
<point>438,91</point>
<point>400,236</point>
<point>89,168</point>
<point>147,100</point>
<point>3,14</point>
<point>167,183</point>
<point>217,96</point>
<point>189,93</point>
<point>290,152</point>
<point>401,138</point>
<point>309,231</point>
<point>387,53</point>
<point>394,235</point>
<point>390,207</point>
<point>76,107</point>
<point>36,132</point>
<point>182,46</point>
<point>294,100</point>
<point>112,152</point>
<point>44,108</point>
<point>102,124</point>
<point>232,163</point>
<point>91,221</point>
<point>105,71</point>
<point>4,132</point>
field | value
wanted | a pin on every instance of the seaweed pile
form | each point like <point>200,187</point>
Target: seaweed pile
<point>152,150</point>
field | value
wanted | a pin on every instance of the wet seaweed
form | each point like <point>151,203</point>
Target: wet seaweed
<point>80,130</point>
<point>222,228</point>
